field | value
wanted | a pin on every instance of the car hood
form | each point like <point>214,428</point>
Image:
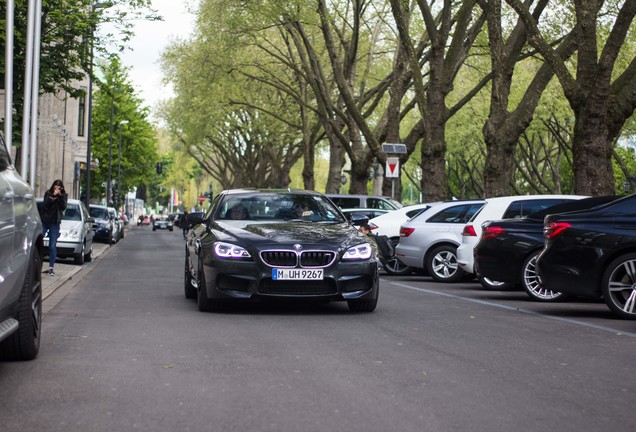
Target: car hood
<point>67,225</point>
<point>307,233</point>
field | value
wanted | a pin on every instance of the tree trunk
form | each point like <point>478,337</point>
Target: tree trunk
<point>592,156</point>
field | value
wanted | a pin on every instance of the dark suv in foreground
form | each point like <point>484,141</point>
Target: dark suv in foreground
<point>20,265</point>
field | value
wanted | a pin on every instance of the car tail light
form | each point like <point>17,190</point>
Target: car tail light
<point>469,231</point>
<point>406,231</point>
<point>373,226</point>
<point>491,232</point>
<point>553,229</point>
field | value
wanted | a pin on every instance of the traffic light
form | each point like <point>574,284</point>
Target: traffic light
<point>159,167</point>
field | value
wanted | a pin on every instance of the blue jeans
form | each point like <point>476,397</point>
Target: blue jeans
<point>54,233</point>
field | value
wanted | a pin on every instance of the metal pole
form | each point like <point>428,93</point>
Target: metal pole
<point>8,77</point>
<point>28,81</point>
<point>110,149</point>
<point>35,89</point>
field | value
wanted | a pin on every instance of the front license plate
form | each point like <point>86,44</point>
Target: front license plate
<point>296,274</point>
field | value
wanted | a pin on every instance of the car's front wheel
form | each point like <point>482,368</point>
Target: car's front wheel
<point>89,255</point>
<point>189,289</point>
<point>78,258</point>
<point>362,305</point>
<point>442,264</point>
<point>205,304</point>
<point>531,282</point>
<point>24,343</point>
<point>619,286</point>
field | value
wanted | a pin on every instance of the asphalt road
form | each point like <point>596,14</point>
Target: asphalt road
<point>123,350</point>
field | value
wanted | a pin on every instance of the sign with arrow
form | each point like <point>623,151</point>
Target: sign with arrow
<point>392,167</point>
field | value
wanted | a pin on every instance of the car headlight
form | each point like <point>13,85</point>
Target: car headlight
<point>103,224</point>
<point>358,252</point>
<point>228,250</point>
<point>73,234</point>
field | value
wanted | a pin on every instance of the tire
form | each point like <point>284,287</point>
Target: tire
<point>110,238</point>
<point>78,258</point>
<point>619,286</point>
<point>532,285</point>
<point>89,256</point>
<point>395,267</point>
<point>493,285</point>
<point>24,344</point>
<point>205,304</point>
<point>189,290</point>
<point>123,230</point>
<point>442,264</point>
<point>362,305</point>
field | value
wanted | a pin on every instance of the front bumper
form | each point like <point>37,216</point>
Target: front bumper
<point>247,280</point>
<point>64,248</point>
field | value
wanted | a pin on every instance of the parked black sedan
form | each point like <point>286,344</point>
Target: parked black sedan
<point>275,244</point>
<point>592,253</point>
<point>508,249</point>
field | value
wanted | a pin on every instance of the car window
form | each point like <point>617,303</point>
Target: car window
<point>277,206</point>
<point>98,212</point>
<point>454,214</point>
<point>344,202</point>
<point>72,213</point>
<point>523,208</point>
<point>378,203</point>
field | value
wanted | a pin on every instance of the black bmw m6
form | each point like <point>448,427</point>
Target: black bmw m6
<point>255,244</point>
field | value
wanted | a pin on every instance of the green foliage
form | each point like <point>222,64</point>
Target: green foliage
<point>66,37</point>
<point>115,94</point>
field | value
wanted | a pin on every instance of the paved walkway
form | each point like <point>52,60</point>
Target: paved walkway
<point>65,269</point>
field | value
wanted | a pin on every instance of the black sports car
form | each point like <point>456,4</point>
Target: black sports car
<point>592,253</point>
<point>508,249</point>
<point>255,244</point>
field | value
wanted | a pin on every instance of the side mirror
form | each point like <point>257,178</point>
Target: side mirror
<point>358,219</point>
<point>195,218</point>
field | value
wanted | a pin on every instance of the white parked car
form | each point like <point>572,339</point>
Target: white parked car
<point>508,207</point>
<point>429,240</point>
<point>76,233</point>
<point>389,224</point>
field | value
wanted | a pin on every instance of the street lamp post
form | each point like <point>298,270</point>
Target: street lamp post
<point>123,122</point>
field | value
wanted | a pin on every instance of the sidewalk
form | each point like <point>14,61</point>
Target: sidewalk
<point>65,269</point>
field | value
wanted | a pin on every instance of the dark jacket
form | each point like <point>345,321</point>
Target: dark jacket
<point>53,207</point>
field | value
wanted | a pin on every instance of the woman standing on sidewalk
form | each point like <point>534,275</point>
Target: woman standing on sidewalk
<point>54,204</point>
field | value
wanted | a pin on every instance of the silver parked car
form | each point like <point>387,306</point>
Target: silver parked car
<point>21,246</point>
<point>429,241</point>
<point>76,233</point>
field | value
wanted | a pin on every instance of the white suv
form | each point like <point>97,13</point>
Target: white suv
<point>508,207</point>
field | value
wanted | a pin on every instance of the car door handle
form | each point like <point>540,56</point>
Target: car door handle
<point>28,197</point>
<point>197,246</point>
<point>8,196</point>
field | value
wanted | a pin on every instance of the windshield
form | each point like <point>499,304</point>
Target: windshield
<point>98,212</point>
<point>72,213</point>
<point>277,206</point>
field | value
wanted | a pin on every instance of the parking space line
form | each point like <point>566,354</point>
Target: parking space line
<point>515,309</point>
